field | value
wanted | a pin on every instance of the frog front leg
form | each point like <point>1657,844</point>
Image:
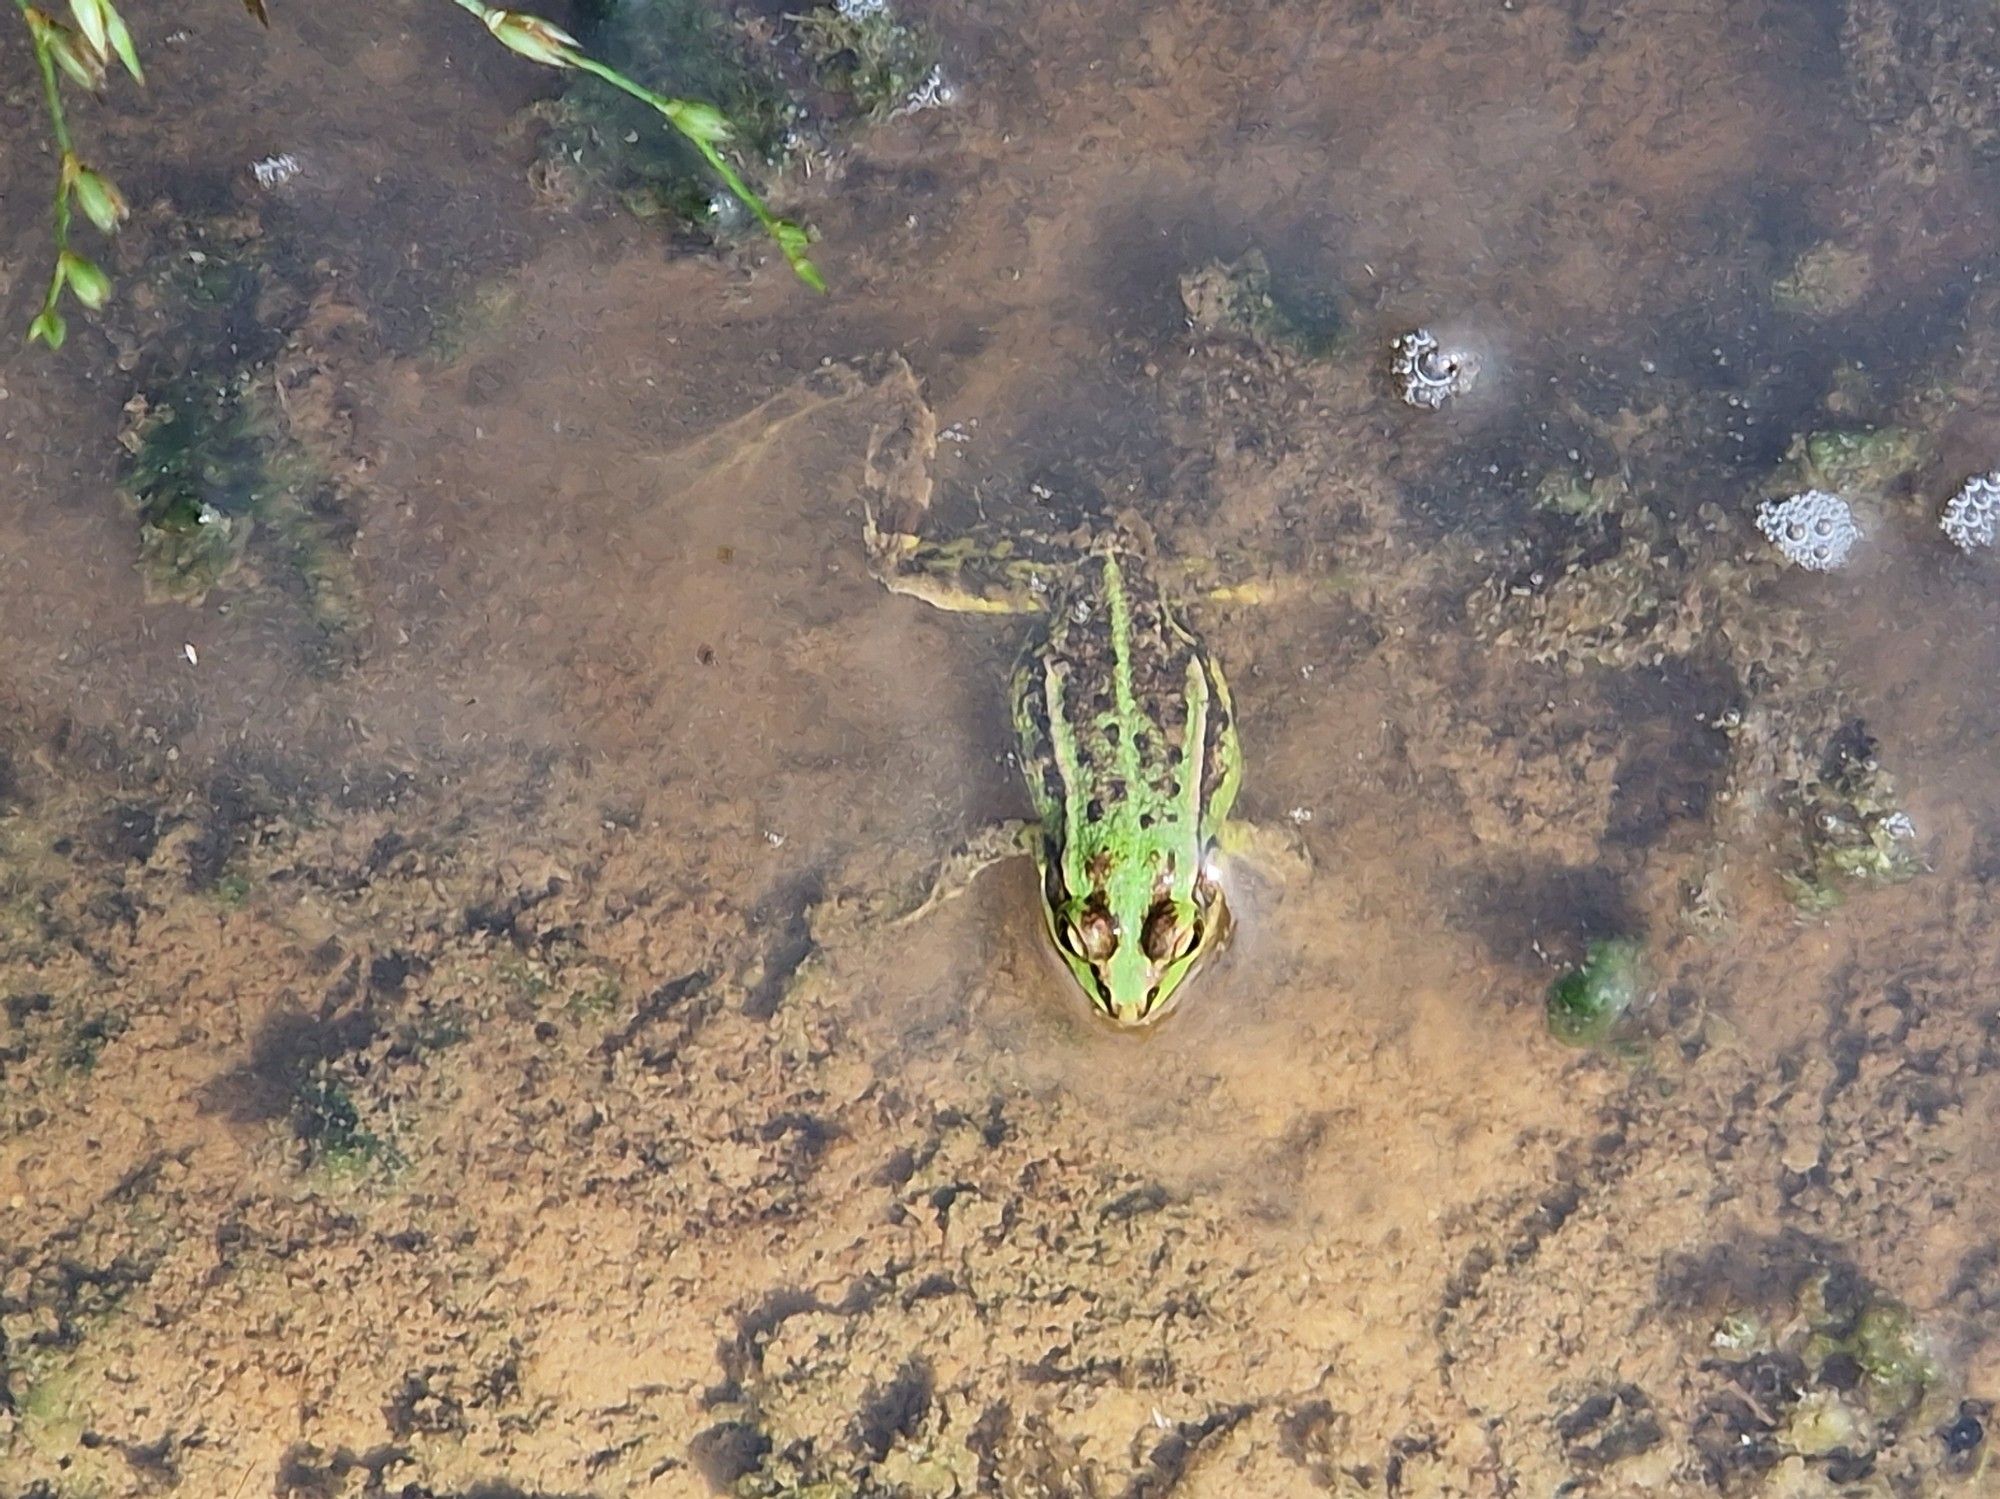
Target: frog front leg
<point>1272,855</point>
<point>989,846</point>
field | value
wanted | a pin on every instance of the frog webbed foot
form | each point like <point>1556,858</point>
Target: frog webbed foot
<point>896,481</point>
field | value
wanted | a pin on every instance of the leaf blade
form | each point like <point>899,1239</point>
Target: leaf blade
<point>121,43</point>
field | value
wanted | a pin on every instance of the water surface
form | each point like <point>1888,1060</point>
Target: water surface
<point>440,1051</point>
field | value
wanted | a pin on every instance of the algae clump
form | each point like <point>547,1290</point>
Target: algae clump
<point>1857,462</point>
<point>195,475</point>
<point>211,462</point>
<point>1584,1004</point>
<point>1825,280</point>
<point>1567,492</point>
<point>327,1123</point>
<point>1243,297</point>
<point>1878,1335</point>
<point>1849,827</point>
<point>1894,1368</point>
<point>863,49</point>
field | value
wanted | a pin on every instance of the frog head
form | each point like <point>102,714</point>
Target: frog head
<point>1131,943</point>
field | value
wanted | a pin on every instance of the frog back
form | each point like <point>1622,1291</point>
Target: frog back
<point>1127,731</point>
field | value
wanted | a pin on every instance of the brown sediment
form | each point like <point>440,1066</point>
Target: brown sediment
<point>455,1064</point>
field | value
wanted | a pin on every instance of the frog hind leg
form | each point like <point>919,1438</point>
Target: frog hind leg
<point>962,576</point>
<point>989,846</point>
<point>1231,580</point>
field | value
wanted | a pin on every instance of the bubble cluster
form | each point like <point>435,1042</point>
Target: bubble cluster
<point>275,171</point>
<point>861,10</point>
<point>935,92</point>
<point>1972,516</point>
<point>1429,373</point>
<point>1816,530</point>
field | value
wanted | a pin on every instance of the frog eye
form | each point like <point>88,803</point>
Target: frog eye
<point>1093,935</point>
<point>1100,937</point>
<point>1171,934</point>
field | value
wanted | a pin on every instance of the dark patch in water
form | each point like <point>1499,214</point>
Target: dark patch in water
<point>240,800</point>
<point>289,1047</point>
<point>787,914</point>
<point>20,1007</point>
<point>129,833</point>
<point>804,1139</point>
<point>1521,910</point>
<point>895,1410</point>
<point>673,1000</point>
<point>1673,759</point>
<point>1131,285</point>
<point>1750,1271</point>
<point>1486,487</point>
<point>1168,1463</point>
<point>388,972</point>
<point>307,1472</point>
<point>417,1408</point>
<point>728,1452</point>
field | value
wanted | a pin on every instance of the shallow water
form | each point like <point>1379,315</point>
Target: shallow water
<point>443,1051</point>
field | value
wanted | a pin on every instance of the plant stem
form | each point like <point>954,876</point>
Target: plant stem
<point>789,238</point>
<point>59,126</point>
<point>664,105</point>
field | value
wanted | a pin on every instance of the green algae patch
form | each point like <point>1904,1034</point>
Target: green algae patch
<point>1875,1336</point>
<point>195,477</point>
<point>472,318</point>
<point>51,1430</point>
<point>328,1124</point>
<point>1857,462</point>
<point>85,1038</point>
<point>235,468</point>
<point>1837,1375</point>
<point>1826,280</point>
<point>212,464</point>
<point>1569,491</point>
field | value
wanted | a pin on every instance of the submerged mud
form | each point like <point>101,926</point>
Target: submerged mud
<point>446,1046</point>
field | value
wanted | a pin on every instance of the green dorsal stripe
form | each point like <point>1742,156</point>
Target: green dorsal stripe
<point>1116,600</point>
<point>1194,747</point>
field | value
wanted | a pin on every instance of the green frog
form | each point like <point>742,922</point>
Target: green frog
<point>1126,737</point>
